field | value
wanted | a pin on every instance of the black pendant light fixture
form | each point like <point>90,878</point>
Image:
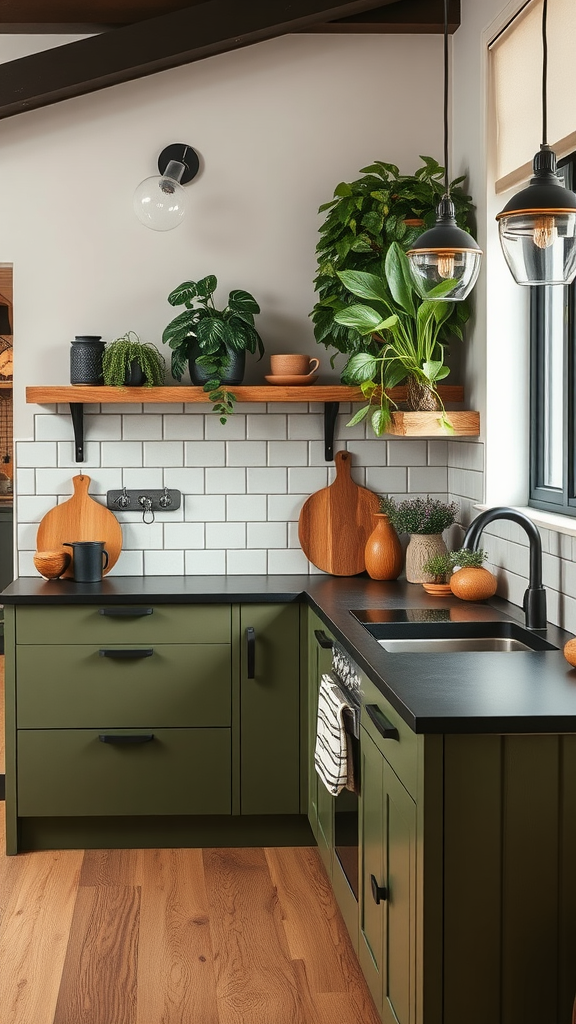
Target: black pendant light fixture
<point>445,261</point>
<point>538,226</point>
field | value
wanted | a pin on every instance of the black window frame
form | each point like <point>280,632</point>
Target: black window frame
<point>550,499</point>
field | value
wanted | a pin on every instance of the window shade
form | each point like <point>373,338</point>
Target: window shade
<point>516,74</point>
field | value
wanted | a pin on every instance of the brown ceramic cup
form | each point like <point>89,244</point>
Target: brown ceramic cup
<point>295,365</point>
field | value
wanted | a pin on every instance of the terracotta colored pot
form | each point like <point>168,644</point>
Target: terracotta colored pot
<point>383,555</point>
<point>421,548</point>
<point>52,564</point>
<point>438,589</point>
<point>473,584</point>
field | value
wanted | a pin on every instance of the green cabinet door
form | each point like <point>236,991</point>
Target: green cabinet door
<point>270,709</point>
<point>388,893</point>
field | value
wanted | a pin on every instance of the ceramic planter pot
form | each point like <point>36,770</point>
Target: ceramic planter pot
<point>421,548</point>
<point>135,376</point>
<point>233,375</point>
<point>383,555</point>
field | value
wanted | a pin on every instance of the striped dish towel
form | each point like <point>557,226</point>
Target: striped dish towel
<point>331,756</point>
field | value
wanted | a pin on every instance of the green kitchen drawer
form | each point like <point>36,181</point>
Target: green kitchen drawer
<point>401,752</point>
<point>76,687</point>
<point>122,624</point>
<point>72,772</point>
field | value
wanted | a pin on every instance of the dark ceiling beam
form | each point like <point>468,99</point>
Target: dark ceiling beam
<point>181,37</point>
<point>404,16</point>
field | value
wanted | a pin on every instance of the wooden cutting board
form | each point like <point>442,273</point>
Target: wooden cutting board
<point>335,523</point>
<point>80,518</point>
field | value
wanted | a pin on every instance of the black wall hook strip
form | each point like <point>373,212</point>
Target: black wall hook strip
<point>330,414</point>
<point>77,413</point>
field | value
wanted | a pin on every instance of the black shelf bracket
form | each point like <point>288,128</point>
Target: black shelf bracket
<point>330,414</point>
<point>77,413</point>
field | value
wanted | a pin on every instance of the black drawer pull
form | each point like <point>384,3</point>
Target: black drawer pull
<point>146,737</point>
<point>379,892</point>
<point>322,639</point>
<point>120,613</point>
<point>141,652</point>
<point>250,652</point>
<point>383,724</point>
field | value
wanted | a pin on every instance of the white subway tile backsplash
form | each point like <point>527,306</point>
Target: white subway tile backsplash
<point>116,409</point>
<point>245,507</point>
<point>438,453</point>
<point>287,562</point>
<point>246,453</point>
<point>306,428</point>
<point>203,508</point>
<point>163,408</point>
<point>294,408</point>
<point>98,428</point>
<point>306,479</point>
<point>267,480</point>
<point>31,508</point>
<point>246,563</point>
<point>287,453</point>
<point>344,432</point>
<point>130,563</point>
<point>233,430</point>
<point>141,478</point>
<point>204,453</point>
<point>183,535</point>
<point>205,563</point>
<point>266,535</point>
<point>147,427</point>
<point>466,482</point>
<point>142,535</point>
<point>427,478</point>
<point>52,428</point>
<point>164,453</point>
<point>266,428</point>
<point>388,480</point>
<point>407,453</point>
<point>122,453</point>
<point>466,455</point>
<point>183,428</point>
<point>225,535</point>
<point>285,507</point>
<point>368,453</point>
<point>189,481</point>
<point>36,453</point>
<point>27,536</point>
<point>67,455</point>
<point>163,563</point>
<point>26,481</point>
<point>226,481</point>
<point>317,453</point>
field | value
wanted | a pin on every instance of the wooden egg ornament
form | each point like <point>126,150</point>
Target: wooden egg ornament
<point>52,564</point>
<point>473,584</point>
<point>570,652</point>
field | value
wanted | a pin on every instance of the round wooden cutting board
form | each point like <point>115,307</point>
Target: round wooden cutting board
<point>80,518</point>
<point>335,523</point>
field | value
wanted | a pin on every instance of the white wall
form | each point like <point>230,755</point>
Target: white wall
<point>277,125</point>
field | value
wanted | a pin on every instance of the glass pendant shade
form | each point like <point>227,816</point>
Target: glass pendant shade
<point>160,201</point>
<point>445,261</point>
<point>537,228</point>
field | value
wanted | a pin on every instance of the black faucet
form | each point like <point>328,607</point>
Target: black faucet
<point>535,597</point>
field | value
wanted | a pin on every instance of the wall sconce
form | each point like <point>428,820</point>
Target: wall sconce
<point>160,201</point>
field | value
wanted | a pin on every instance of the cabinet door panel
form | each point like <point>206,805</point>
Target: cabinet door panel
<point>84,624</point>
<point>71,772</point>
<point>372,921</point>
<point>75,687</point>
<point>270,711</point>
<point>400,907</point>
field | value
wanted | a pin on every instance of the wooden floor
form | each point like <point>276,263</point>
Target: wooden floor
<point>215,936</point>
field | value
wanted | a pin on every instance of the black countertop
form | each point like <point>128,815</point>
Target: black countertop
<point>490,692</point>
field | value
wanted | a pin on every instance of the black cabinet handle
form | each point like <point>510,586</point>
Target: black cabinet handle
<point>118,738</point>
<point>140,652</point>
<point>322,639</point>
<point>379,892</point>
<point>123,612</point>
<point>251,652</point>
<point>383,724</point>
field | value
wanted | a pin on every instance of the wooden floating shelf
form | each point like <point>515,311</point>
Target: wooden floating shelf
<point>257,393</point>
<point>5,385</point>
<point>404,424</point>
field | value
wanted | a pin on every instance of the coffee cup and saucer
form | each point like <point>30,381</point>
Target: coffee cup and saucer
<point>293,370</point>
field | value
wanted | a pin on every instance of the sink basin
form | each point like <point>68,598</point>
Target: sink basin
<point>443,637</point>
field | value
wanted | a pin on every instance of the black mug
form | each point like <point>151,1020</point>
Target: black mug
<point>89,559</point>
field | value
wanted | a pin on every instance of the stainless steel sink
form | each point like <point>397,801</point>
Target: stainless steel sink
<point>443,636</point>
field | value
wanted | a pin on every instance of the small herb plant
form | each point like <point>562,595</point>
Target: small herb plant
<point>122,352</point>
<point>419,515</point>
<point>215,331</point>
<point>441,567</point>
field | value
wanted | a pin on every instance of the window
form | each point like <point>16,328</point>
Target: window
<point>552,373</point>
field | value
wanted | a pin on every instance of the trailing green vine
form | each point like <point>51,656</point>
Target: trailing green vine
<point>121,353</point>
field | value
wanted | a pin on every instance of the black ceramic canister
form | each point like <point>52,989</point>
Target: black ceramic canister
<point>86,353</point>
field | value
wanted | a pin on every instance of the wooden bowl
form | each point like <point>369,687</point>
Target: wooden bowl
<point>473,584</point>
<point>51,564</point>
<point>438,589</point>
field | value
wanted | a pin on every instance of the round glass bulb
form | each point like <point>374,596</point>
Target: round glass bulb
<point>160,203</point>
<point>445,275</point>
<point>539,247</point>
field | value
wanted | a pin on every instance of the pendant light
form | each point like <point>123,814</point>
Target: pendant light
<point>538,226</point>
<point>445,261</point>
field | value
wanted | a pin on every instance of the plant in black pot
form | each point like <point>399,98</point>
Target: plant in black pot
<point>212,342</point>
<point>129,362</point>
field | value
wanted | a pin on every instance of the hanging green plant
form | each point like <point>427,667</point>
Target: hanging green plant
<point>127,361</point>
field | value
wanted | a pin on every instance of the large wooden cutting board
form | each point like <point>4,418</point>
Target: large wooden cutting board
<point>80,518</point>
<point>335,523</point>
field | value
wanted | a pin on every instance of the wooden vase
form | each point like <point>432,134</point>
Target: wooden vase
<point>421,548</point>
<point>473,584</point>
<point>383,554</point>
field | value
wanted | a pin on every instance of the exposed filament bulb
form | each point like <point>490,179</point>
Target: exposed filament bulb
<point>446,265</point>
<point>545,232</point>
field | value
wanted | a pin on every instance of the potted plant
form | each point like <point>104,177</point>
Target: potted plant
<point>405,340</point>
<point>362,220</point>
<point>470,581</point>
<point>129,362</point>
<point>441,568</point>
<point>425,519</point>
<point>212,342</point>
